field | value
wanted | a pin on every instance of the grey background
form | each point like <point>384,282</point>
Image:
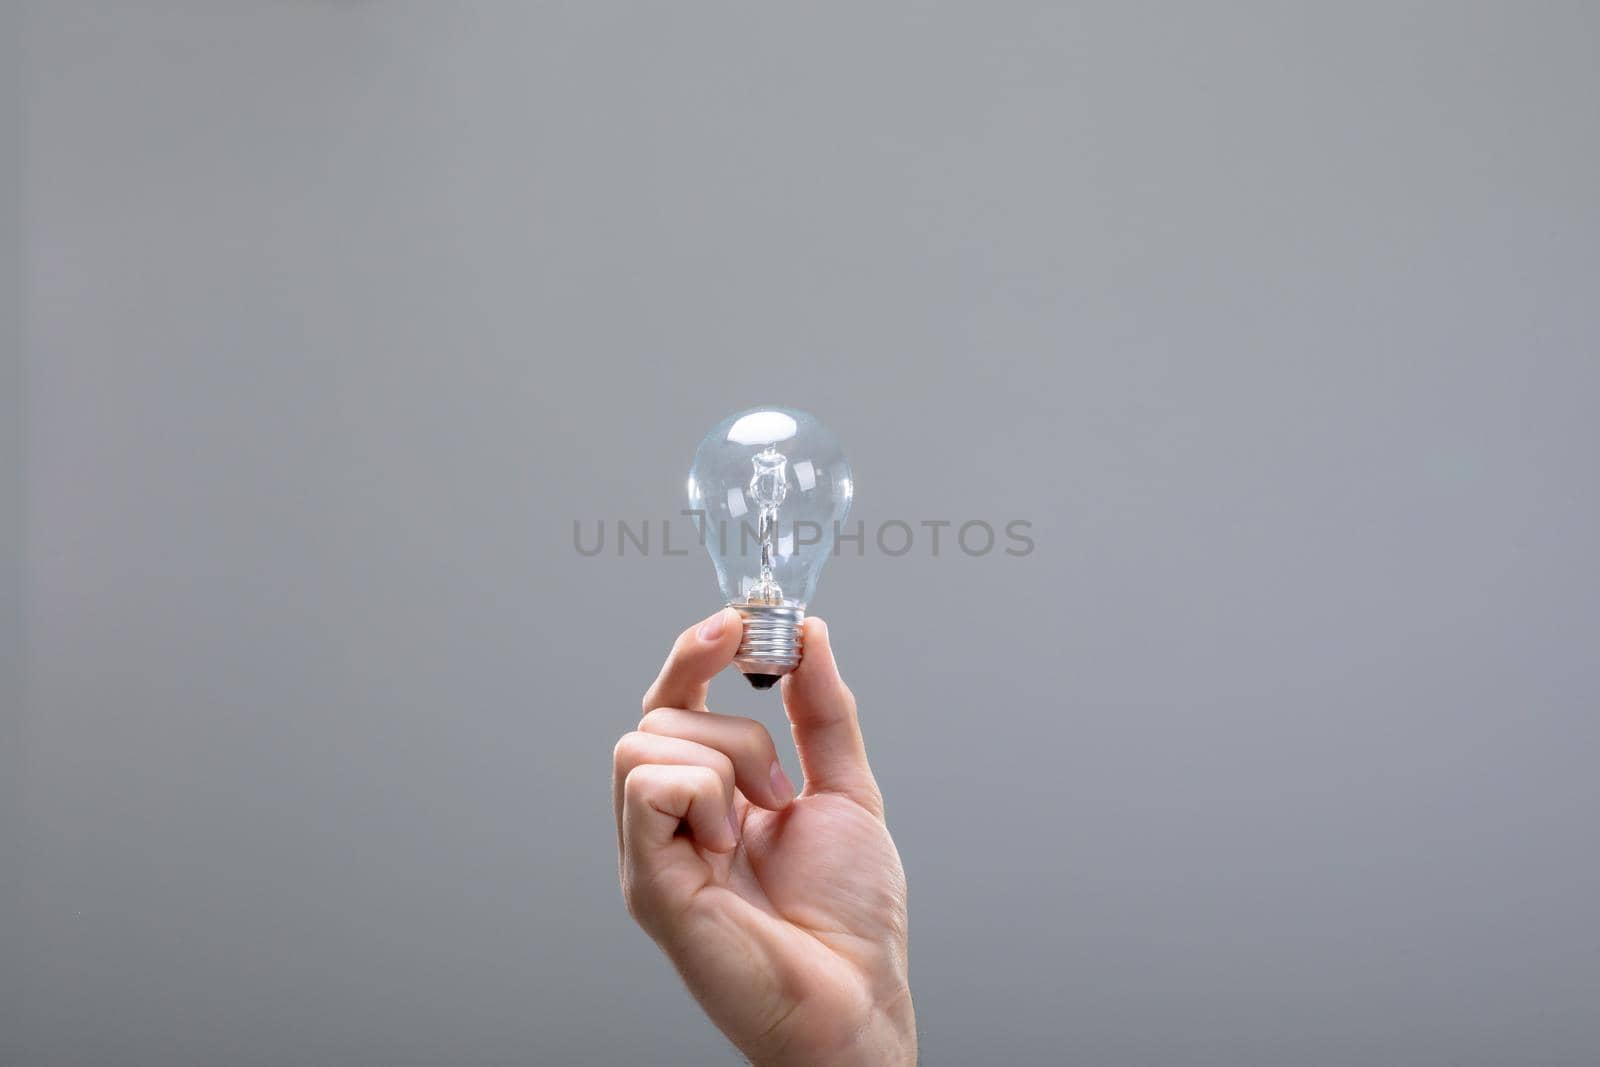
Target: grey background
<point>1280,322</point>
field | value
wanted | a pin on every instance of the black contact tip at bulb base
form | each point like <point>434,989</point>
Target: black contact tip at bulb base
<point>770,645</point>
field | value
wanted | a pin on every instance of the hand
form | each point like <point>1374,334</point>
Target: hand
<point>785,915</point>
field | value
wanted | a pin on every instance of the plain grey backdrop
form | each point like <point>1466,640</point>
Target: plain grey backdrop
<point>1280,322</point>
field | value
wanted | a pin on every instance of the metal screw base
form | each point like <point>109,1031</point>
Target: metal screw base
<point>770,646</point>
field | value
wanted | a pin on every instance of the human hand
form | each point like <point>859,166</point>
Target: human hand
<point>785,915</point>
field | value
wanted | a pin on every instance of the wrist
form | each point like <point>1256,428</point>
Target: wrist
<point>887,1039</point>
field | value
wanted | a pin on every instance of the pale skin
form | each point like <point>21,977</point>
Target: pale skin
<point>785,914</point>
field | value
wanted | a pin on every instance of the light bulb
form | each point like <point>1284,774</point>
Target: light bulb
<point>770,486</point>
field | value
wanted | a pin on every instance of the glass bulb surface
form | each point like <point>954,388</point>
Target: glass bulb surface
<point>771,486</point>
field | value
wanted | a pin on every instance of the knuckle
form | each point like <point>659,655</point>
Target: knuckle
<point>652,721</point>
<point>647,900</point>
<point>755,739</point>
<point>633,898</point>
<point>708,781</point>
<point>625,748</point>
<point>638,781</point>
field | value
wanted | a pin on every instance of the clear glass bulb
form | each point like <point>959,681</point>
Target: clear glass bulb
<point>771,486</point>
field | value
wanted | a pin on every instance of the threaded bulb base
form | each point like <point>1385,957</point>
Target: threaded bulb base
<point>770,645</point>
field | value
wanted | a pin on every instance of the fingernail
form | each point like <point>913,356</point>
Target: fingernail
<point>711,629</point>
<point>733,827</point>
<point>782,788</point>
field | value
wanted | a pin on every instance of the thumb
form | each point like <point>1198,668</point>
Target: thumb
<point>827,734</point>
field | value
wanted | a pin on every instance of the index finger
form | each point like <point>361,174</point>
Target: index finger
<point>697,656</point>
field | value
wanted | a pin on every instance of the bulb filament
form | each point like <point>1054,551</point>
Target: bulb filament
<point>768,486</point>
